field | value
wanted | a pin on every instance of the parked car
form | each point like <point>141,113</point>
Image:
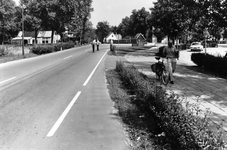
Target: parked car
<point>196,46</point>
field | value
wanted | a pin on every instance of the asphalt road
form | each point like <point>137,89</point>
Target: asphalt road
<point>58,101</point>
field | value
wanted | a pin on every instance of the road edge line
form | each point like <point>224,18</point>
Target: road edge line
<point>89,77</point>
<point>63,115</point>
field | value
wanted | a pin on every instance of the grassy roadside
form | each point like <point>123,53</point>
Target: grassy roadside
<point>167,125</point>
<point>141,128</point>
<point>11,53</point>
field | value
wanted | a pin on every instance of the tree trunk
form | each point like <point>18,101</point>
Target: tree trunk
<point>3,32</point>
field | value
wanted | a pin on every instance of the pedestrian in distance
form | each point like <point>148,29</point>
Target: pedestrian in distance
<point>171,54</point>
<point>111,45</point>
<point>97,44</point>
<point>93,43</point>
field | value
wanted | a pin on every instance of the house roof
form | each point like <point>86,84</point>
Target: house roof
<point>26,34</point>
<point>20,38</point>
<point>111,36</point>
<point>138,35</point>
<point>44,34</point>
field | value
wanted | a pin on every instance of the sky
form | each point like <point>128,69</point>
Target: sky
<point>113,11</point>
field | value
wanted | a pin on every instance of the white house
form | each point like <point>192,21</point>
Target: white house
<point>113,36</point>
<point>29,38</point>
<point>43,37</point>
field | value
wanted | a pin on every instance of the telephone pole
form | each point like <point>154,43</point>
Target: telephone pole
<point>22,7</point>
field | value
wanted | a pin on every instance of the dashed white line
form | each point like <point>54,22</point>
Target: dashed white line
<point>7,80</point>
<point>89,77</point>
<point>68,57</point>
<point>63,115</point>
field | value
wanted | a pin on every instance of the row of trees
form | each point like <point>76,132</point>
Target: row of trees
<point>188,19</point>
<point>54,15</point>
<point>183,19</point>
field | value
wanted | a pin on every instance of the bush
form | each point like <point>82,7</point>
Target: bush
<point>198,59</point>
<point>44,49</point>
<point>211,63</point>
<point>2,51</point>
<point>181,126</point>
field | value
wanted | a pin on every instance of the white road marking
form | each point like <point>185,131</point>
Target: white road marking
<point>88,50</point>
<point>63,115</point>
<point>68,57</point>
<point>89,77</point>
<point>7,80</point>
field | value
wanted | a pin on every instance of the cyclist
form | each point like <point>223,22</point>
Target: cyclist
<point>171,54</point>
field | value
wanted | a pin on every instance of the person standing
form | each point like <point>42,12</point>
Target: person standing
<point>171,54</point>
<point>97,44</point>
<point>111,45</point>
<point>93,43</point>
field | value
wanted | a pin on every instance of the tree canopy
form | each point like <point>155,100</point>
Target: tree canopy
<point>102,30</point>
<point>54,15</point>
<point>182,19</point>
<point>7,19</point>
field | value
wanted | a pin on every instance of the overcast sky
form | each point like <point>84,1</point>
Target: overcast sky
<point>113,11</point>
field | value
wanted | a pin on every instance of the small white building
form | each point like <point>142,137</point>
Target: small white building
<point>43,37</point>
<point>29,38</point>
<point>113,37</point>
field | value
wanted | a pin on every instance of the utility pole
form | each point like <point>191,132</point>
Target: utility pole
<point>22,7</point>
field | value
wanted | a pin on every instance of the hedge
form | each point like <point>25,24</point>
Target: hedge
<point>215,64</point>
<point>49,48</point>
<point>182,128</point>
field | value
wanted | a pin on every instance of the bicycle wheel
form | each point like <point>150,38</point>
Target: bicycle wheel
<point>165,77</point>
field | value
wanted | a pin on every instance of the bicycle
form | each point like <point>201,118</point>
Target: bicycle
<point>160,71</point>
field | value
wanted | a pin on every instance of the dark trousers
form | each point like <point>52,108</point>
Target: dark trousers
<point>93,47</point>
<point>97,47</point>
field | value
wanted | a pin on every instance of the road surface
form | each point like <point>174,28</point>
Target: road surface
<point>58,101</point>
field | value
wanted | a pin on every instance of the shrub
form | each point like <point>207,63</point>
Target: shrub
<point>198,59</point>
<point>211,63</point>
<point>183,128</point>
<point>44,49</point>
<point>2,51</point>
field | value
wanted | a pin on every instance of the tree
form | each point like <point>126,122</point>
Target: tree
<point>89,33</point>
<point>7,20</point>
<point>174,17</point>
<point>126,27</point>
<point>102,30</point>
<point>56,15</point>
<point>82,15</point>
<point>137,22</point>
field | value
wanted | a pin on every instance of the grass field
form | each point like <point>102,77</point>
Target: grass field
<point>11,52</point>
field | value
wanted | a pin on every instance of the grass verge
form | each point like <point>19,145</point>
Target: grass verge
<point>140,126</point>
<point>155,120</point>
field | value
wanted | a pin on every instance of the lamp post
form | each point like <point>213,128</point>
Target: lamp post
<point>22,28</point>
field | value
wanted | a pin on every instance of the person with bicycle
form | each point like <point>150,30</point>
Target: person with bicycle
<point>171,54</point>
